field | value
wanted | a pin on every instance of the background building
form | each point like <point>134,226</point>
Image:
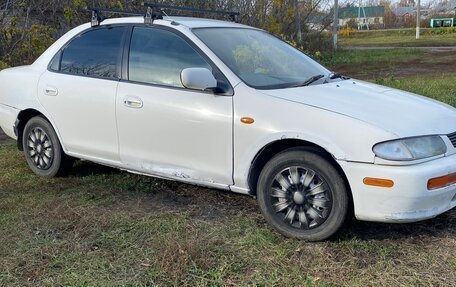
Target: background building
<point>362,17</point>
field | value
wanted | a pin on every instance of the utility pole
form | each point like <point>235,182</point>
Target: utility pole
<point>336,23</point>
<point>418,18</point>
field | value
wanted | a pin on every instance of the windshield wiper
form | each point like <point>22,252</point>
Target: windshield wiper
<point>334,76</point>
<point>309,81</point>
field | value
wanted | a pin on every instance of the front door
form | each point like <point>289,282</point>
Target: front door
<point>164,128</point>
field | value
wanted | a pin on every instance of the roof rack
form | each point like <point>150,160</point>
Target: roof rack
<point>155,11</point>
<point>97,16</point>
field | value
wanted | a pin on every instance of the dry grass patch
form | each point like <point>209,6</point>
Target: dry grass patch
<point>101,227</point>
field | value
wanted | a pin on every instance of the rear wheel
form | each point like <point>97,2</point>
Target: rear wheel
<point>42,149</point>
<point>302,195</point>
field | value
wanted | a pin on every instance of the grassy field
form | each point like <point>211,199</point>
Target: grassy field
<point>401,38</point>
<point>440,87</point>
<point>103,227</point>
<point>404,64</point>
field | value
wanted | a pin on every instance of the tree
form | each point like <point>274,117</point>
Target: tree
<point>30,26</point>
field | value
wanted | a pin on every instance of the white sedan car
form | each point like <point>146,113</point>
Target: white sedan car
<point>231,107</point>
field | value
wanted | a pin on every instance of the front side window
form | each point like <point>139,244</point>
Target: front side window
<point>158,57</point>
<point>258,58</point>
<point>95,53</point>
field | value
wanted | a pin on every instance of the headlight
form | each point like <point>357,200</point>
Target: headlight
<point>411,148</point>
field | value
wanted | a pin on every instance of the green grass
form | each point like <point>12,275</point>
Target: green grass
<point>439,87</point>
<point>400,38</point>
<point>399,62</point>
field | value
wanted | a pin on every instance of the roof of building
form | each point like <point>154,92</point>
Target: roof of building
<point>408,10</point>
<point>402,11</point>
<point>317,19</point>
<point>368,12</point>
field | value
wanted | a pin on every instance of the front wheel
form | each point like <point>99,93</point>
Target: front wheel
<point>42,149</point>
<point>302,195</point>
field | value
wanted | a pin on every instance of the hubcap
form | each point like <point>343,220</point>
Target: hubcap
<point>301,197</point>
<point>40,148</point>
<point>298,197</point>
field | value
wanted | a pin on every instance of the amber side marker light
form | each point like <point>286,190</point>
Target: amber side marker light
<point>380,182</point>
<point>443,181</point>
<point>247,120</point>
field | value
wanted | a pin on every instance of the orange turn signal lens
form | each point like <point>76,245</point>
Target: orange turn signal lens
<point>442,181</point>
<point>380,182</point>
<point>247,120</point>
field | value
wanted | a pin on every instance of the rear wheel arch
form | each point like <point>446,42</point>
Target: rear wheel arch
<point>22,119</point>
<point>42,148</point>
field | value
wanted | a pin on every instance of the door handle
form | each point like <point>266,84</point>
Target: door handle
<point>51,91</point>
<point>133,102</point>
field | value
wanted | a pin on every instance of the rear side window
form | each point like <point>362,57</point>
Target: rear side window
<point>158,56</point>
<point>95,54</point>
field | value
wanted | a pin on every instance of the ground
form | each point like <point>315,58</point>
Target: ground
<point>400,38</point>
<point>103,227</point>
<point>3,137</point>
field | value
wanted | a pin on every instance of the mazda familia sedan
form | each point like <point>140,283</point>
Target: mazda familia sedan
<point>228,106</point>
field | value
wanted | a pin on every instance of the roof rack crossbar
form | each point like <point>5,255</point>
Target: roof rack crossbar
<point>155,11</point>
<point>97,17</point>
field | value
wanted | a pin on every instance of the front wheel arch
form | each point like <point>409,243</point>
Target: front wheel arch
<point>278,146</point>
<point>293,195</point>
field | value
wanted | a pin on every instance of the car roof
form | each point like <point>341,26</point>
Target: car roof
<point>184,23</point>
<point>189,22</point>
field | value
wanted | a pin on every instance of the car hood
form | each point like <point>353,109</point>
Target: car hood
<point>401,113</point>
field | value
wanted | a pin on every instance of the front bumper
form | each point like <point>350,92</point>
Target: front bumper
<point>8,117</point>
<point>409,199</point>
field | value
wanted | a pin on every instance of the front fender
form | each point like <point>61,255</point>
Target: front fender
<point>344,137</point>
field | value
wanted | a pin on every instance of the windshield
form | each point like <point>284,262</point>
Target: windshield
<point>259,59</point>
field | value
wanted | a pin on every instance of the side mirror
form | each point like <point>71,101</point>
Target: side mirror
<point>198,79</point>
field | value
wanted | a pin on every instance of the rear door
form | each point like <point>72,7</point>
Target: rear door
<point>79,92</point>
<point>164,128</point>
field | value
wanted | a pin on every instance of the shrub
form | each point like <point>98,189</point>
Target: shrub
<point>22,47</point>
<point>442,31</point>
<point>3,65</point>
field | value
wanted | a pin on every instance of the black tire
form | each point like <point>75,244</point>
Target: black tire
<point>326,188</point>
<point>43,150</point>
